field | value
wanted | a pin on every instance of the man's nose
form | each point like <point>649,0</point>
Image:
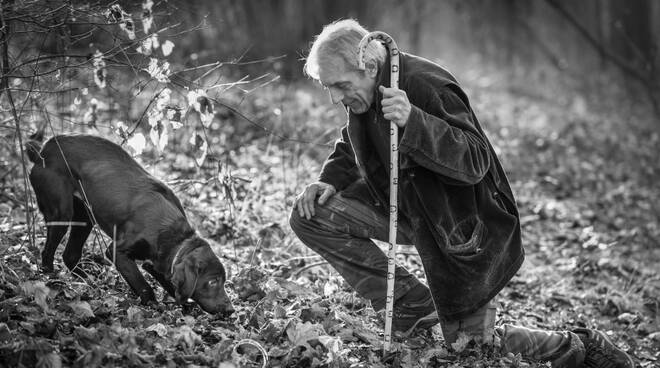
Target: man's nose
<point>335,95</point>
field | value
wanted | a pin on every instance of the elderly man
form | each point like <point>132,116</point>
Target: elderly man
<point>455,203</point>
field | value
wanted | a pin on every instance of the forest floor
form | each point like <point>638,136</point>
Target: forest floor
<point>585,182</point>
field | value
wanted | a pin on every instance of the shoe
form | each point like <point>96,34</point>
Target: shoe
<point>409,316</point>
<point>600,352</point>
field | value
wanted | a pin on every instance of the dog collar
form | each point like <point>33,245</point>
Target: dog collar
<point>175,259</point>
<point>66,223</point>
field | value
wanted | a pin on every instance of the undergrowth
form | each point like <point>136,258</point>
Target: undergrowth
<point>585,183</point>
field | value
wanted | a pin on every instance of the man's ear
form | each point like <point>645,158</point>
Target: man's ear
<point>184,279</point>
<point>371,68</point>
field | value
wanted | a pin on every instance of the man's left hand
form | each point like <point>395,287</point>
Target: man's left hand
<point>396,106</point>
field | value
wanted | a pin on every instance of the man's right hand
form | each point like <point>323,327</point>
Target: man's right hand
<point>305,200</point>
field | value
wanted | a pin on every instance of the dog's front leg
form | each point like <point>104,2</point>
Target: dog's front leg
<point>129,270</point>
<point>162,279</point>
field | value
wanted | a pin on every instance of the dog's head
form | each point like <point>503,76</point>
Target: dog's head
<point>199,275</point>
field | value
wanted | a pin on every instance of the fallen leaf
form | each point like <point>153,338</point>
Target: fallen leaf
<point>186,338</point>
<point>628,318</point>
<point>86,336</point>
<point>37,290</point>
<point>134,314</point>
<point>300,333</point>
<point>655,336</point>
<point>5,333</point>
<point>50,360</point>
<point>461,343</point>
<point>159,328</point>
<point>277,352</point>
<point>81,309</point>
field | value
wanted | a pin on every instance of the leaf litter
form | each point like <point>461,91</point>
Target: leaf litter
<point>590,226</point>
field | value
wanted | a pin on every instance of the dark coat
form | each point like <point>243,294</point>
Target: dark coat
<point>452,188</point>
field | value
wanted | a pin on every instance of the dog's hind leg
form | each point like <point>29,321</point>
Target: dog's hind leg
<point>53,239</point>
<point>77,237</point>
<point>54,198</point>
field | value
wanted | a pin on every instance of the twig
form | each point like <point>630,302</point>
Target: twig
<point>144,112</point>
<point>256,345</point>
<point>300,270</point>
<point>4,40</point>
<point>645,81</point>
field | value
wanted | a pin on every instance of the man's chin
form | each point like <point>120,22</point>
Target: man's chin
<point>359,109</point>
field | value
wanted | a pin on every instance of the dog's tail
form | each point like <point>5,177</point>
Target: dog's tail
<point>33,147</point>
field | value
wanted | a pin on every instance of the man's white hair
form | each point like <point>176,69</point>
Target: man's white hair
<point>341,39</point>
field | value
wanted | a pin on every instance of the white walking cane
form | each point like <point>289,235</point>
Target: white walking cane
<point>389,43</point>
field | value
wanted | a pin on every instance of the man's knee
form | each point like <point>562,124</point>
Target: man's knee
<point>295,221</point>
<point>301,225</point>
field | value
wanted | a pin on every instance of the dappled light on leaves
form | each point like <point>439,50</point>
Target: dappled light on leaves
<point>147,15</point>
<point>199,148</point>
<point>199,102</point>
<point>99,70</point>
<point>147,46</point>
<point>116,14</point>
<point>158,134</point>
<point>167,47</point>
<point>136,143</point>
<point>159,70</point>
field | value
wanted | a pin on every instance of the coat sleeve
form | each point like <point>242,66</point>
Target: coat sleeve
<point>340,169</point>
<point>441,134</point>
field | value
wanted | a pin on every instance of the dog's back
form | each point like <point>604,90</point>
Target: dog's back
<point>118,190</point>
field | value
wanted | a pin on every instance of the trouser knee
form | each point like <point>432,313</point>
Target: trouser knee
<point>311,232</point>
<point>295,222</point>
<point>302,226</point>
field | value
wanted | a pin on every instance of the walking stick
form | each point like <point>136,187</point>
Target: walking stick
<point>389,43</point>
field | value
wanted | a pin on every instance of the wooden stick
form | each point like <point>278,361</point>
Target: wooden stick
<point>114,245</point>
<point>389,43</point>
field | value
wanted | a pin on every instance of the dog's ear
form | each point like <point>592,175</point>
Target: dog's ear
<point>184,279</point>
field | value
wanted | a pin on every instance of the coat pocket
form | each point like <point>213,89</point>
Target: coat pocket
<point>466,237</point>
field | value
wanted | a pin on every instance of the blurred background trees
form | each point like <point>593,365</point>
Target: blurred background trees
<point>207,77</point>
<point>588,45</point>
<point>231,70</point>
<point>603,50</point>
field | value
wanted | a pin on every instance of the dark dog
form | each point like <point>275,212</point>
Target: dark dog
<point>82,179</point>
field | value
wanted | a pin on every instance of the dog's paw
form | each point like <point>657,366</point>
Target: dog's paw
<point>188,308</point>
<point>147,297</point>
<point>48,270</point>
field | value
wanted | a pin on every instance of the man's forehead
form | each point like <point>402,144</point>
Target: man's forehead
<point>332,70</point>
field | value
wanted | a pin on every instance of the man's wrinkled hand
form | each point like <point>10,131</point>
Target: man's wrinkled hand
<point>396,106</point>
<point>305,200</point>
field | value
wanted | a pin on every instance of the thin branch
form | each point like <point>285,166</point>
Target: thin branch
<point>4,42</point>
<point>644,80</point>
<point>144,112</point>
<point>48,57</point>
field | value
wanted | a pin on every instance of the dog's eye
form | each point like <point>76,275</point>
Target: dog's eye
<point>213,283</point>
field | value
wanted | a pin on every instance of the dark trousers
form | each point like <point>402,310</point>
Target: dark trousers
<point>341,232</point>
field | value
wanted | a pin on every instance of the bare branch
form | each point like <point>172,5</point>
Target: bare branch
<point>4,82</point>
<point>644,80</point>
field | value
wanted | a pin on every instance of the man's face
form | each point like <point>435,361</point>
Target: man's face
<point>354,89</point>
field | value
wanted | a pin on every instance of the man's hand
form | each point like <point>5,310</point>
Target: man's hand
<point>305,200</point>
<point>396,106</point>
